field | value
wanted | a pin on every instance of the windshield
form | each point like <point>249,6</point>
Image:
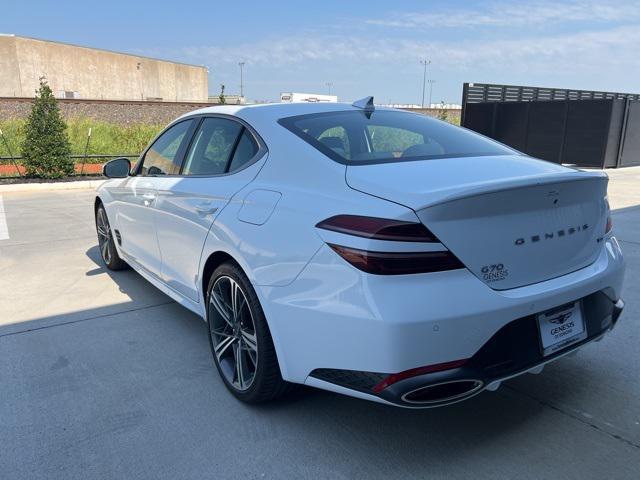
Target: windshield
<point>353,138</point>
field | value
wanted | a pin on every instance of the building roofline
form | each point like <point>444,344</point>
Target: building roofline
<point>101,50</point>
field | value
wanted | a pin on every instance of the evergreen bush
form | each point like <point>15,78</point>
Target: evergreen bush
<point>46,148</point>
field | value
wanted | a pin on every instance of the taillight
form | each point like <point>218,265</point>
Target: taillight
<point>415,372</point>
<point>378,228</point>
<point>389,263</point>
<point>398,263</point>
<point>609,226</point>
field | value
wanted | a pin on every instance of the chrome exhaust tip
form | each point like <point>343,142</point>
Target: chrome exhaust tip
<point>444,392</point>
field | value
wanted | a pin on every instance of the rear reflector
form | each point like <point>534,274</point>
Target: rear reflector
<point>415,372</point>
<point>398,263</point>
<point>609,225</point>
<point>378,228</point>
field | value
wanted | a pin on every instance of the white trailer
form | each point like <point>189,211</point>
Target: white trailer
<point>291,97</point>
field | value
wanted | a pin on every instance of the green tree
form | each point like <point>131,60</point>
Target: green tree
<point>443,114</point>
<point>46,148</point>
<point>222,97</point>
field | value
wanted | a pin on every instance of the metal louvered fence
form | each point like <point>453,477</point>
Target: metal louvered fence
<point>490,92</point>
<point>578,127</point>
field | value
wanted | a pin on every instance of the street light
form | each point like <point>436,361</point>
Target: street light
<point>241,65</point>
<point>426,63</point>
<point>431,82</point>
<point>329,85</point>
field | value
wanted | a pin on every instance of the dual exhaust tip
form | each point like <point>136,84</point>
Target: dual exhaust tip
<point>443,393</point>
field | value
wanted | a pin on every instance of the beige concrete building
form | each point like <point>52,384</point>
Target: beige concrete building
<point>88,73</point>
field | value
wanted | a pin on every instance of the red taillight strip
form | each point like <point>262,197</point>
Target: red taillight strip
<point>414,372</point>
<point>398,263</point>
<point>609,226</point>
<point>378,228</point>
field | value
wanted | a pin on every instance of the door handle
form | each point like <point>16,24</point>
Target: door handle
<point>205,209</point>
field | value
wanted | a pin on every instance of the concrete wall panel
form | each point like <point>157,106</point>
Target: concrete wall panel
<point>95,74</point>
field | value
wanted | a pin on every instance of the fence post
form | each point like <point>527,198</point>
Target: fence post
<point>6,144</point>
<point>465,93</point>
<point>86,147</point>
<point>623,132</point>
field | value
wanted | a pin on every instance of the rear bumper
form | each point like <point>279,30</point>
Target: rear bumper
<point>512,351</point>
<point>336,319</point>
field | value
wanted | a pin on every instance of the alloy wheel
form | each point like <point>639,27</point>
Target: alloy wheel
<point>104,235</point>
<point>233,333</point>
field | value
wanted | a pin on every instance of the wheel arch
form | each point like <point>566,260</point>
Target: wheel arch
<point>96,203</point>
<point>213,261</point>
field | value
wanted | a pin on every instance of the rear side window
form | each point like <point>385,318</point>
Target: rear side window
<point>212,147</point>
<point>245,151</point>
<point>219,146</point>
<point>352,137</point>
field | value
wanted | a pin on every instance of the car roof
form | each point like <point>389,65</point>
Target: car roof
<point>275,111</point>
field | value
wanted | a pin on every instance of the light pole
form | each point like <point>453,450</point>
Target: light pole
<point>426,63</point>
<point>431,82</point>
<point>329,85</point>
<point>241,65</point>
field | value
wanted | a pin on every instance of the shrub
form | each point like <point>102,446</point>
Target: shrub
<point>46,148</point>
<point>442,113</point>
<point>222,98</point>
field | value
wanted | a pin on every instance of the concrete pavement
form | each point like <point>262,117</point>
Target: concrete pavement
<point>102,376</point>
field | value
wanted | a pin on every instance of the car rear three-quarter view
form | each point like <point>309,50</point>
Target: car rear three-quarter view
<point>368,251</point>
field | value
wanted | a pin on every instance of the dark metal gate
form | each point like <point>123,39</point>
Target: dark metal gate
<point>582,128</point>
<point>491,92</point>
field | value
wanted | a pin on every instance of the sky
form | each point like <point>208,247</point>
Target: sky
<point>361,47</point>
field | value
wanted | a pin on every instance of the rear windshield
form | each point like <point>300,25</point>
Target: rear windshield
<point>354,138</point>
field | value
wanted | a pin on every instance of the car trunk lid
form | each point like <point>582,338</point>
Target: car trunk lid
<point>510,224</point>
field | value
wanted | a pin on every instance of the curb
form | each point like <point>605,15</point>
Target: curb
<point>34,187</point>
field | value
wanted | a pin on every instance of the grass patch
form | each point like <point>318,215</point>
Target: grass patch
<point>106,138</point>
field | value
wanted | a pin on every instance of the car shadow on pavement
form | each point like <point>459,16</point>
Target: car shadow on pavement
<point>128,281</point>
<point>488,414</point>
<point>317,413</point>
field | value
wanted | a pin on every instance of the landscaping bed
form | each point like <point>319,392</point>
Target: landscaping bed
<point>9,171</point>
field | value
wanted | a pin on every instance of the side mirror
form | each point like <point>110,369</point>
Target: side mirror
<point>117,168</point>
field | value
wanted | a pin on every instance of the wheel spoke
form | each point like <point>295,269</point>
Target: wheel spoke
<point>250,340</point>
<point>222,332</point>
<point>234,300</point>
<point>253,356</point>
<point>224,345</point>
<point>239,365</point>
<point>102,231</point>
<point>221,307</point>
<point>242,301</point>
<point>105,252</point>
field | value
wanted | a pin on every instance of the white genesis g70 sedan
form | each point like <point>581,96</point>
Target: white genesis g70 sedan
<point>368,251</point>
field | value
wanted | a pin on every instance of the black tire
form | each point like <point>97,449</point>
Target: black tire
<point>266,381</point>
<point>106,244</point>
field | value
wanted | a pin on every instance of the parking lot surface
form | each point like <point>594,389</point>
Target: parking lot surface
<point>102,376</point>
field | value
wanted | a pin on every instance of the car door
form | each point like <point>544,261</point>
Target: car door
<point>137,197</point>
<point>224,156</point>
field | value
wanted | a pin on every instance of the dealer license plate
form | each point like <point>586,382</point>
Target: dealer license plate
<point>560,327</point>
